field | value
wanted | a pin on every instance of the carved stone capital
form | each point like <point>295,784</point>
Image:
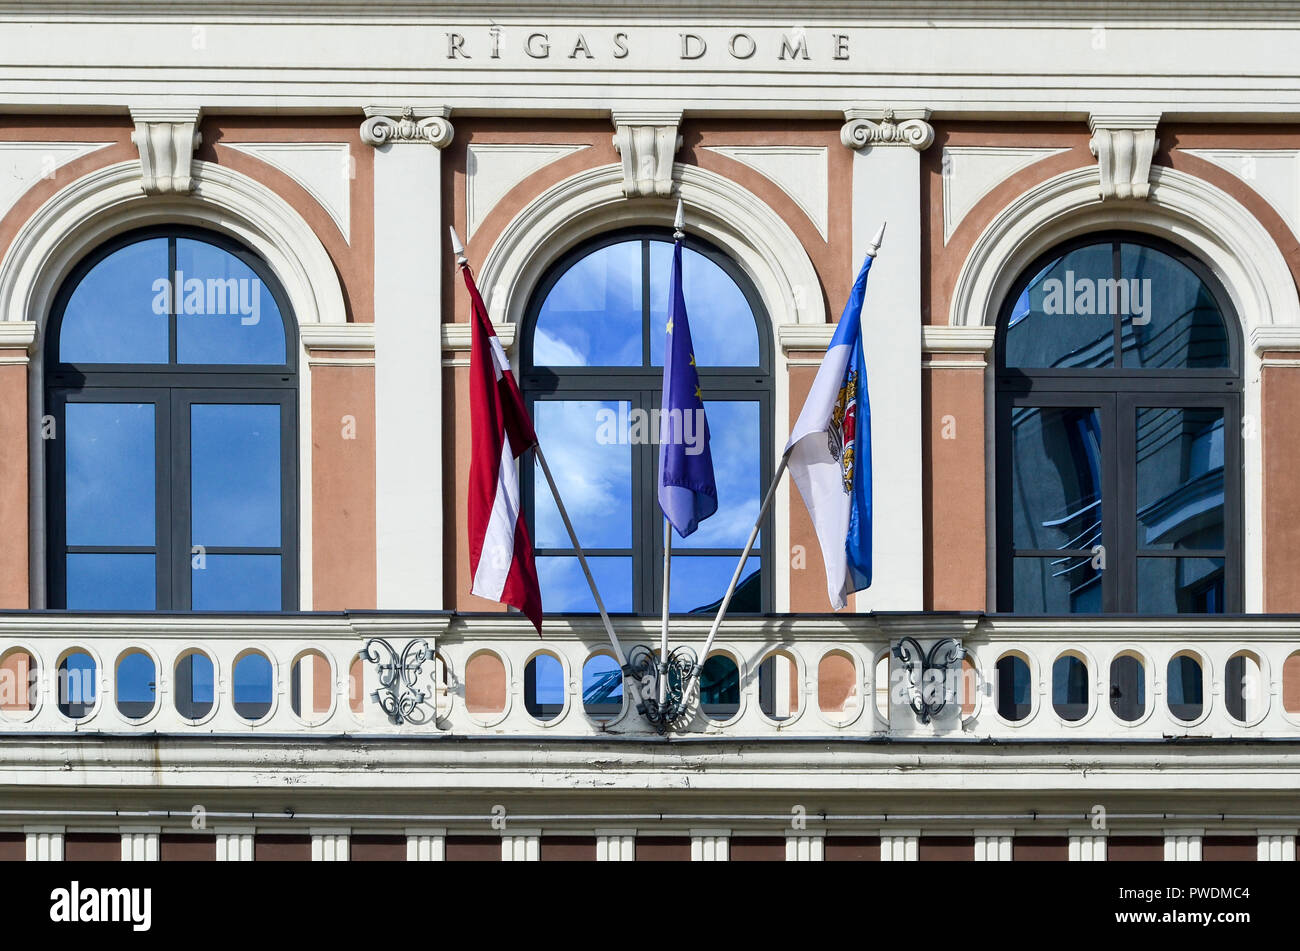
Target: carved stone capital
<point>875,127</point>
<point>386,125</point>
<point>166,139</point>
<point>647,143</point>
<point>1124,146</point>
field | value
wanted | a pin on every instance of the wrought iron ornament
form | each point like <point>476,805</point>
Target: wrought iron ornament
<point>927,686</point>
<point>398,694</point>
<point>643,664</point>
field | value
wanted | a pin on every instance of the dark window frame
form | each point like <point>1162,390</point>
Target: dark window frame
<point>642,387</point>
<point>1118,393</point>
<point>172,389</point>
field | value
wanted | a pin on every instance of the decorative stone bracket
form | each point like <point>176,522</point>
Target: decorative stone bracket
<point>166,138</point>
<point>1124,146</point>
<point>647,142</point>
<point>874,127</point>
<point>389,125</point>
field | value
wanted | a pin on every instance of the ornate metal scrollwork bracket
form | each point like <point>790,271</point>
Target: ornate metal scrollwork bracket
<point>399,694</point>
<point>927,673</point>
<point>643,664</point>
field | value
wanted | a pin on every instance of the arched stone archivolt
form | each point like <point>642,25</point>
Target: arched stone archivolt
<point>717,210</point>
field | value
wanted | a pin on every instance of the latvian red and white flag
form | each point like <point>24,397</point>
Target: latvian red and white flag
<point>500,552</point>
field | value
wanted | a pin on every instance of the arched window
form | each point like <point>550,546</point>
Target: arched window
<point>171,447</point>
<point>1119,434</point>
<point>592,369</point>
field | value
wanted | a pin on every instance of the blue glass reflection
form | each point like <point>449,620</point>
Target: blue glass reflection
<point>237,583</point>
<point>136,684</point>
<point>226,313</point>
<point>77,687</point>
<point>735,444</point>
<point>722,322</point>
<point>592,315</point>
<point>1172,320</point>
<point>1057,321</point>
<point>235,474</point>
<point>602,684</point>
<point>195,685</point>
<point>700,581</point>
<point>565,590</point>
<point>590,454</point>
<point>111,582</point>
<point>109,496</point>
<point>118,312</point>
<point>252,686</point>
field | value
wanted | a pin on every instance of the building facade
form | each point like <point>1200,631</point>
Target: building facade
<point>235,430</point>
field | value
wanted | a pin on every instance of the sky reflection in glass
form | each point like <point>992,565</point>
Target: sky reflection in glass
<point>238,322</point>
<point>592,316</point>
<point>235,474</point>
<point>596,476</point>
<point>722,323</point>
<point>110,316</point>
<point>109,496</point>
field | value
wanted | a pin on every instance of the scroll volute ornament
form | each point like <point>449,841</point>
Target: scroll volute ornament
<point>1124,146</point>
<point>385,127</point>
<point>166,140</point>
<point>647,143</point>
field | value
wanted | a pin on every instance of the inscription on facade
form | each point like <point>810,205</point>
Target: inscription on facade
<point>501,43</point>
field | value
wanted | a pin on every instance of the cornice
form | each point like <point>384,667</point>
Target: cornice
<point>1275,337</point>
<point>338,336</point>
<point>946,339</point>
<point>460,336</point>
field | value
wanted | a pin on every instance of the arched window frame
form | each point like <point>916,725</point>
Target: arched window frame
<point>186,384</point>
<point>1124,390</point>
<point>718,383</point>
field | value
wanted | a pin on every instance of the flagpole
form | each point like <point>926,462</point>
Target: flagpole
<point>873,248</point>
<point>459,250</point>
<point>663,621</point>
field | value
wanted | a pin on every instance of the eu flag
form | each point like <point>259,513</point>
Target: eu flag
<point>687,492</point>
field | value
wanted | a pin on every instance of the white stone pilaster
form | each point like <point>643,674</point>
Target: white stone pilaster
<point>900,845</point>
<point>1276,845</point>
<point>1087,847</point>
<point>805,847</point>
<point>993,845</point>
<point>887,188</point>
<point>1183,845</point>
<point>140,844</point>
<point>329,845</point>
<point>522,845</point>
<point>615,845</point>
<point>710,845</point>
<point>234,843</point>
<point>44,843</point>
<point>410,250</point>
<point>426,845</point>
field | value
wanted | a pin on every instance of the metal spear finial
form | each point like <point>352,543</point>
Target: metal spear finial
<point>679,222</point>
<point>877,241</point>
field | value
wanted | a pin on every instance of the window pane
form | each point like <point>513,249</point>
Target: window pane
<point>226,313</point>
<point>722,323</point>
<point>78,678</point>
<point>252,686</point>
<point>700,581</point>
<point>719,687</point>
<point>1128,687</point>
<point>565,590</point>
<point>735,440</point>
<point>235,474</point>
<point>110,473</point>
<point>602,686</point>
<point>111,582</point>
<point>136,683</point>
<point>1186,687</point>
<point>544,687</point>
<point>588,447</point>
<point>1015,689</point>
<point>1180,478</point>
<point>118,313</point>
<point>1065,585</point>
<point>237,583</point>
<point>592,316</point>
<point>195,685</point>
<point>1056,478</point>
<point>1058,320</point>
<point>1070,688</point>
<point>1171,319</point>
<point>1180,586</point>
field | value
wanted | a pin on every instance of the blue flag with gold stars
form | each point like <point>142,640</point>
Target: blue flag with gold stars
<point>687,491</point>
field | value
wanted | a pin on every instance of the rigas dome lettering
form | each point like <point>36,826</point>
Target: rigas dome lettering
<point>583,46</point>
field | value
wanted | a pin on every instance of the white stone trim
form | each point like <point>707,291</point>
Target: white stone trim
<point>801,171</point>
<point>970,172</point>
<point>166,138</point>
<point>331,188</point>
<point>615,845</point>
<point>426,845</point>
<point>1276,845</point>
<point>805,847</point>
<point>1183,845</point>
<point>387,125</point>
<point>993,845</point>
<point>44,843</point>
<point>337,336</point>
<point>521,845</point>
<point>329,844</point>
<point>812,337</point>
<point>900,845</point>
<point>646,141</point>
<point>234,843</point>
<point>945,339</point>
<point>887,127</point>
<point>710,845</point>
<point>140,843</point>
<point>1124,146</point>
<point>1087,847</point>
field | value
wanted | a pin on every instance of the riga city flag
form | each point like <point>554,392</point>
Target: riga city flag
<point>830,453</point>
<point>500,552</point>
<point>687,491</point>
